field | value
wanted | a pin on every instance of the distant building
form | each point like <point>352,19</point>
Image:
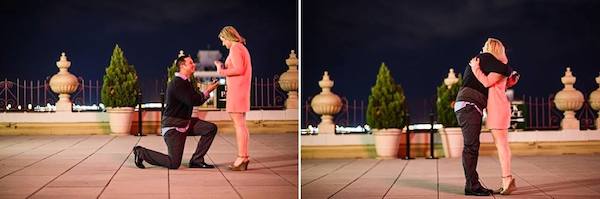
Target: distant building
<point>206,60</point>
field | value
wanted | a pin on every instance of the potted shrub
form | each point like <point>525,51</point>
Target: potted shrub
<point>119,92</point>
<point>452,140</point>
<point>385,113</point>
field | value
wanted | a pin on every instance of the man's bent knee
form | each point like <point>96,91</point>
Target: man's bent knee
<point>174,164</point>
<point>213,128</point>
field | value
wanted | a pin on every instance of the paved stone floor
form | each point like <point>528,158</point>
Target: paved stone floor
<point>101,166</point>
<point>564,176</point>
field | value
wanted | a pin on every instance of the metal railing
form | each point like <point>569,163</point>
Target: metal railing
<point>87,94</point>
<point>540,113</point>
<point>25,92</point>
<point>14,94</point>
<point>352,113</point>
<point>265,93</point>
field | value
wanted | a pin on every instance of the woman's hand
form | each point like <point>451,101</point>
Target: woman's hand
<point>219,66</point>
<point>474,63</point>
<point>513,79</point>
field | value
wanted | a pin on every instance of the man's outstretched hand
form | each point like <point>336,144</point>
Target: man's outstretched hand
<point>212,86</point>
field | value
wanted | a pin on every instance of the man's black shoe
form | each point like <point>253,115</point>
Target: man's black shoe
<point>201,165</point>
<point>138,160</point>
<point>479,192</point>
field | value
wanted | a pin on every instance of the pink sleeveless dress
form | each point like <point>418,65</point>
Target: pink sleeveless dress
<point>238,76</point>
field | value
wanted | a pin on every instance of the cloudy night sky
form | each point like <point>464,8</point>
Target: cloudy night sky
<point>151,33</point>
<point>420,40</point>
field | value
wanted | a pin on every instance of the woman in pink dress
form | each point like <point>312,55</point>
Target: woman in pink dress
<point>238,72</point>
<point>498,106</point>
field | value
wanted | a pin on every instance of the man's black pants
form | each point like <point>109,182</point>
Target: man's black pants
<point>469,120</point>
<point>176,141</point>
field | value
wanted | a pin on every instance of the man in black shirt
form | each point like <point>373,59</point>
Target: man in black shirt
<point>177,122</point>
<point>470,102</point>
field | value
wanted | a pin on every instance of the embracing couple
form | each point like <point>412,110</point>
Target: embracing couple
<point>484,85</point>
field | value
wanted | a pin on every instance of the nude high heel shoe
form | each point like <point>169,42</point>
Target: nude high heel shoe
<point>512,186</point>
<point>242,167</point>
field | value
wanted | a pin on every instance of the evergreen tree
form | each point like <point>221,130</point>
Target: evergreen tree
<point>445,103</point>
<point>172,70</point>
<point>387,107</point>
<point>120,83</point>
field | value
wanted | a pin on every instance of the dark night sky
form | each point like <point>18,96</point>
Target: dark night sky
<point>151,33</point>
<point>421,40</point>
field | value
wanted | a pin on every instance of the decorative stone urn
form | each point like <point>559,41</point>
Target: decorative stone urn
<point>595,101</point>
<point>326,104</point>
<point>289,81</point>
<point>451,79</point>
<point>64,83</point>
<point>569,100</point>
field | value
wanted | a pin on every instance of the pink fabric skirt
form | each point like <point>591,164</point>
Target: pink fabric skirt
<point>498,109</point>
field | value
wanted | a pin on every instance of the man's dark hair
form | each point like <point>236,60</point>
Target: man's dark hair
<point>181,60</point>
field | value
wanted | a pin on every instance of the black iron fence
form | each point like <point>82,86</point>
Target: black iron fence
<point>530,113</point>
<point>87,94</point>
<point>265,93</point>
<point>540,113</point>
<point>352,113</point>
<point>29,93</point>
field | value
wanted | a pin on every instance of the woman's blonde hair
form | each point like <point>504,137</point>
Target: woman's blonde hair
<point>231,34</point>
<point>496,48</point>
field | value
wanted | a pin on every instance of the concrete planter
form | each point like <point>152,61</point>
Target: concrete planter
<point>119,119</point>
<point>387,142</point>
<point>452,142</point>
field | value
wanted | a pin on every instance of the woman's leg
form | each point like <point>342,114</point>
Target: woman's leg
<point>241,135</point>
<point>504,154</point>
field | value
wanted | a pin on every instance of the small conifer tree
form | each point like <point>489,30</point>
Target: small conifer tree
<point>445,103</point>
<point>120,83</point>
<point>387,107</point>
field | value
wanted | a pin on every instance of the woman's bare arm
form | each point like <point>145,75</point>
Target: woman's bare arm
<point>487,81</point>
